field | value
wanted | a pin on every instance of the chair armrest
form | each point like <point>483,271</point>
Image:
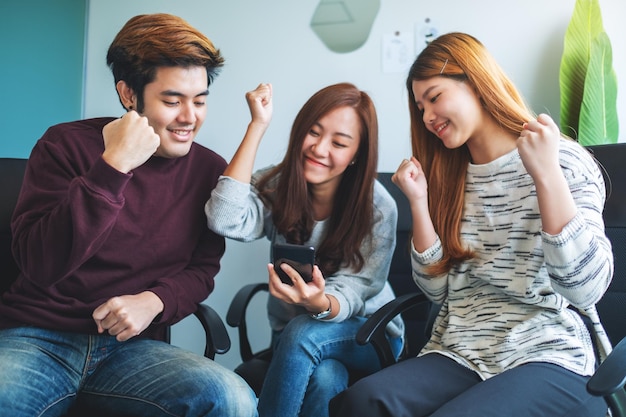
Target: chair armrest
<point>217,340</point>
<point>611,374</point>
<point>236,316</point>
<point>373,330</point>
<point>609,379</point>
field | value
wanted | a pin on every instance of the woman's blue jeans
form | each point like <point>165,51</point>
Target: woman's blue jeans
<point>44,372</point>
<point>311,364</point>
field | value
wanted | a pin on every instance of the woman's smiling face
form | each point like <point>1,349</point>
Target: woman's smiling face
<point>450,109</point>
<point>331,146</point>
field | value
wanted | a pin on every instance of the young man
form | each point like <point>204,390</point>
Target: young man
<point>111,238</point>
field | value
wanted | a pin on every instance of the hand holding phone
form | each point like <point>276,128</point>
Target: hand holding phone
<point>299,257</point>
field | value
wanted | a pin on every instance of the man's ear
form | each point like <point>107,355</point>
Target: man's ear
<point>127,95</point>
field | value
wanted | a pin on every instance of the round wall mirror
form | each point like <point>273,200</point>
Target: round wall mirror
<point>344,26</point>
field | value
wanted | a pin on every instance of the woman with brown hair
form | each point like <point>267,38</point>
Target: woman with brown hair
<point>507,233</point>
<point>323,194</point>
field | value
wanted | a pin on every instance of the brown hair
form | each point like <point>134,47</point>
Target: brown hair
<point>149,41</point>
<point>352,215</point>
<point>461,57</point>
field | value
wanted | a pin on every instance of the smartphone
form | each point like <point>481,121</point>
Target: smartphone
<point>299,257</point>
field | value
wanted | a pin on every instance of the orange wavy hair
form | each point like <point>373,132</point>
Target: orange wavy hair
<point>462,57</point>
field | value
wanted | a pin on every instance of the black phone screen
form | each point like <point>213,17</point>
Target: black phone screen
<point>299,257</point>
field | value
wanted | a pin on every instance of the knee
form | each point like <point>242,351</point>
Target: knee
<point>299,327</point>
<point>243,404</point>
<point>357,400</point>
<point>211,390</point>
<point>236,400</point>
<point>330,370</point>
<point>330,377</point>
<point>299,335</point>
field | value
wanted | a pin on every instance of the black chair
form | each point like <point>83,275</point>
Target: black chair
<point>254,364</point>
<point>12,170</point>
<point>609,379</point>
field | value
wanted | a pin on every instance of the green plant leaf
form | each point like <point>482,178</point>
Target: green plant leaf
<point>598,122</point>
<point>584,26</point>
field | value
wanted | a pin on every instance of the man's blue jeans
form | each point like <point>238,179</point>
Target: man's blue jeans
<point>43,373</point>
<point>310,365</point>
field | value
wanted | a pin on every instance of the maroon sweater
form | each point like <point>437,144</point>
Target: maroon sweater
<point>83,232</point>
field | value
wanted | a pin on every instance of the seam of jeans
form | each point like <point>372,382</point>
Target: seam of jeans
<point>84,373</point>
<point>126,397</point>
<point>55,403</point>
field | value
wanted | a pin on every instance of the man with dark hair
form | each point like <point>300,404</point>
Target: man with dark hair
<point>110,236</point>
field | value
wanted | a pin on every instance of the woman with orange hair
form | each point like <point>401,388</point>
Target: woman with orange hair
<point>507,233</point>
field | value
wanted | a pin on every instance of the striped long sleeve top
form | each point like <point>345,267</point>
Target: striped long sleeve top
<point>509,305</point>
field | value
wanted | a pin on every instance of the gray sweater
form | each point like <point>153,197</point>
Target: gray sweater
<point>509,305</point>
<point>236,211</point>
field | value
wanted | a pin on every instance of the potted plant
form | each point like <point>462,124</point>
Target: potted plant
<point>588,83</point>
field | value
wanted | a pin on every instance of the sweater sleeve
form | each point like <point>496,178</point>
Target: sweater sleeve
<point>579,260</point>
<point>434,287</point>
<point>63,215</point>
<point>183,291</point>
<point>236,211</point>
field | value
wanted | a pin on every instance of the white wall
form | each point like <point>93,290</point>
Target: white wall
<point>270,41</point>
